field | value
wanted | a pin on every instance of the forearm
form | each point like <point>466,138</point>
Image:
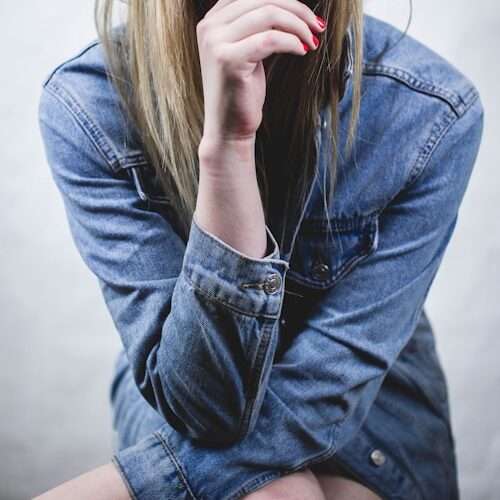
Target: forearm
<point>229,205</point>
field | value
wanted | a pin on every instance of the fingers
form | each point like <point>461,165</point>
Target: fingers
<point>251,30</point>
<point>238,8</point>
<point>265,19</point>
<point>257,47</point>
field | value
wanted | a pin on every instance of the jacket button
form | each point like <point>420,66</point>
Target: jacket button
<point>377,457</point>
<point>321,271</point>
<point>272,283</point>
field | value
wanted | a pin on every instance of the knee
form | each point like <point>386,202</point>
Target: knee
<point>300,485</point>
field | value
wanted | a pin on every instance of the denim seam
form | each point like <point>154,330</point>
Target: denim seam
<point>347,266</point>
<point>329,452</point>
<point>368,483</point>
<point>95,133</point>
<point>339,223</point>
<point>227,248</point>
<point>116,462</point>
<point>96,137</point>
<point>438,133</point>
<point>256,365</point>
<point>372,231</point>
<point>181,473</point>
<point>252,484</point>
<point>256,372</point>
<point>234,308</point>
<point>85,49</point>
<point>454,100</point>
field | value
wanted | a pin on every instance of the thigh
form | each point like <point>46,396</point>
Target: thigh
<point>338,487</point>
<point>299,485</point>
<point>405,447</point>
<point>134,419</point>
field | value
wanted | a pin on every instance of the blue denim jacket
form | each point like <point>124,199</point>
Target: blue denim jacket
<point>201,322</point>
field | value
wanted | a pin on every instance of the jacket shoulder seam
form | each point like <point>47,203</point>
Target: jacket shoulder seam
<point>80,53</point>
<point>440,129</point>
<point>91,130</point>
<point>459,102</point>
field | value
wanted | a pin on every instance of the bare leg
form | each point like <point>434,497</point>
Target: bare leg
<point>103,483</point>
<point>300,485</point>
<point>341,488</point>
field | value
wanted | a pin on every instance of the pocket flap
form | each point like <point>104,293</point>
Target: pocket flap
<point>321,256</point>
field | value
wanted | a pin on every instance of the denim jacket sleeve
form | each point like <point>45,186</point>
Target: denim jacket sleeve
<point>320,391</point>
<point>195,319</point>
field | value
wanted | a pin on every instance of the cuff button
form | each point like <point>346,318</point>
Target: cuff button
<point>272,284</point>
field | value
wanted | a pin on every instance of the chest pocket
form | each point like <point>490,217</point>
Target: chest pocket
<point>321,257</point>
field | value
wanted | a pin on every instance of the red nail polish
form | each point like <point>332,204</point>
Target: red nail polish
<point>321,21</point>
<point>306,47</point>
<point>315,40</point>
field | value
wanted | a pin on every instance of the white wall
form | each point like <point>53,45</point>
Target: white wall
<point>58,341</point>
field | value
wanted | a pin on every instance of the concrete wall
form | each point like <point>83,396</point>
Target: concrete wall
<point>58,341</point>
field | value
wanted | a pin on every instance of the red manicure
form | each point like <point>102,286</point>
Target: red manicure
<point>321,22</point>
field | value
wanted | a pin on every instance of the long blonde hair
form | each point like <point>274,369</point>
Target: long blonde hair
<point>154,65</point>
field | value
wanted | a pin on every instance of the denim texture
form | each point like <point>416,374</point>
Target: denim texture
<point>236,370</point>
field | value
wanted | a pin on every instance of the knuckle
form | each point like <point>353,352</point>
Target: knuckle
<point>219,54</point>
<point>270,12</point>
<point>204,28</point>
<point>209,42</point>
<point>200,27</point>
<point>305,11</point>
<point>269,40</point>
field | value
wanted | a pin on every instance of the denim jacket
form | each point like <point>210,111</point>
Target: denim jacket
<point>202,324</point>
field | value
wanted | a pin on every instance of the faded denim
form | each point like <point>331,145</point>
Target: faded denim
<point>236,371</point>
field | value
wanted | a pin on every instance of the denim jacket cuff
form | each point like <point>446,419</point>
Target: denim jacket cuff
<point>254,286</point>
<point>150,472</point>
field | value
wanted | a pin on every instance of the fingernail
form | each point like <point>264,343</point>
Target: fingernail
<point>321,22</point>
<point>306,47</point>
<point>315,40</point>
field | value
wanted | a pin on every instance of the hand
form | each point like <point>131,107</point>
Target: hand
<point>233,38</point>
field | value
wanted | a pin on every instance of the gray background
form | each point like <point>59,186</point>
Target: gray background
<point>58,341</point>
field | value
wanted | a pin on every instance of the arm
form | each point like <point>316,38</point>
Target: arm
<point>228,204</point>
<point>196,341</point>
<point>347,346</point>
<point>361,326</point>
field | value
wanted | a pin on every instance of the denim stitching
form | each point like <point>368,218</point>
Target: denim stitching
<point>372,224</point>
<point>453,99</point>
<point>438,133</point>
<point>218,300</point>
<point>254,484</point>
<point>141,187</point>
<point>130,490</point>
<point>181,473</point>
<point>79,115</point>
<point>94,132</point>
<point>85,49</point>
<point>256,372</point>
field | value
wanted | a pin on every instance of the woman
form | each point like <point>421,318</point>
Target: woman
<point>265,199</point>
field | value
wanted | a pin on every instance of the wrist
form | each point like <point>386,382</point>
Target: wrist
<point>214,152</point>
